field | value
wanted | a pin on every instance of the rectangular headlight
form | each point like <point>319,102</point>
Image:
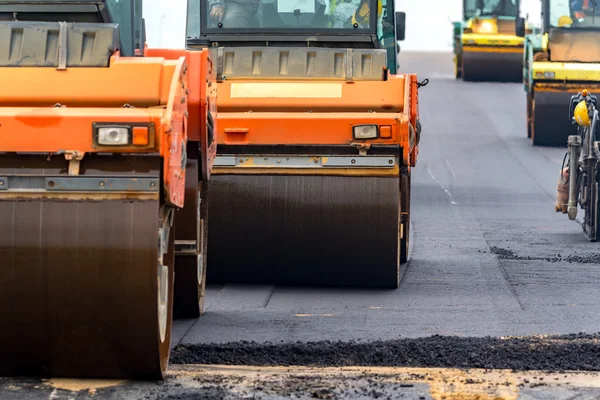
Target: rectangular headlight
<point>364,132</point>
<point>113,136</point>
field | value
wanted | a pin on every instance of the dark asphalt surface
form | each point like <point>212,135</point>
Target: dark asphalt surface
<point>490,257</point>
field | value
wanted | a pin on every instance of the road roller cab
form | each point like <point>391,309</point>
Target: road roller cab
<point>567,59</point>
<point>317,134</point>
<point>99,138</point>
<point>486,46</point>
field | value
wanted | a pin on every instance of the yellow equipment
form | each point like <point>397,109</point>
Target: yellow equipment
<point>485,44</point>
<point>567,58</point>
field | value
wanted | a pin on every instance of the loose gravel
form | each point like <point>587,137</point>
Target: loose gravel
<point>548,353</point>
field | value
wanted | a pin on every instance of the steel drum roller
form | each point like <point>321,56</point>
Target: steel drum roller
<point>305,230</point>
<point>82,269</point>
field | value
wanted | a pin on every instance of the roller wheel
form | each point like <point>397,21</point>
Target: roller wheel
<point>544,130</point>
<point>165,282</point>
<point>86,285</point>
<point>405,209</point>
<point>192,244</point>
<point>305,230</point>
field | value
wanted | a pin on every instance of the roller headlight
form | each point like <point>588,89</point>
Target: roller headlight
<point>486,27</point>
<point>364,132</point>
<point>113,136</point>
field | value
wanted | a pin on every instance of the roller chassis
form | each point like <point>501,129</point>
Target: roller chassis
<point>300,199</point>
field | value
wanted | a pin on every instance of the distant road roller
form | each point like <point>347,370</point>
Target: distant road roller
<point>486,47</point>
<point>104,144</point>
<point>569,59</point>
<point>317,134</point>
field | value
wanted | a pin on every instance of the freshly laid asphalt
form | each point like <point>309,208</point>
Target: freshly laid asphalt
<point>491,260</point>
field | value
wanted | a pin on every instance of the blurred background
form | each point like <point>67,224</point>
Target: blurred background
<point>428,22</point>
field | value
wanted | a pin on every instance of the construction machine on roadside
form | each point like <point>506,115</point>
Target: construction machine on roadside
<point>105,150</point>
<point>579,179</point>
<point>486,46</point>
<point>317,134</point>
<point>568,60</point>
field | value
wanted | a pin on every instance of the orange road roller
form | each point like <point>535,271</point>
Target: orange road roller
<point>317,135</point>
<point>105,150</point>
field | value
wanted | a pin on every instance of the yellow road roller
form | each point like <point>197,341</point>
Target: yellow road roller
<point>568,60</point>
<point>486,47</point>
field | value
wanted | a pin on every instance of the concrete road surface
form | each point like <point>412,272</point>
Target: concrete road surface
<point>490,257</point>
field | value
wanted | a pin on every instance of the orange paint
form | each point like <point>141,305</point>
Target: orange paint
<point>199,97</point>
<point>48,111</point>
<point>333,128</point>
<point>357,96</point>
<point>49,130</point>
<point>392,104</point>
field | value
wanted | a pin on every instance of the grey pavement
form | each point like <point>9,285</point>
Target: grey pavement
<point>479,188</point>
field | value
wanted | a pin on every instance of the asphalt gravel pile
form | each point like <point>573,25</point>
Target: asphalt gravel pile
<point>548,353</point>
<point>586,258</point>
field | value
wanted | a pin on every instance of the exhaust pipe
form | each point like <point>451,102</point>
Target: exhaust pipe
<point>574,149</point>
